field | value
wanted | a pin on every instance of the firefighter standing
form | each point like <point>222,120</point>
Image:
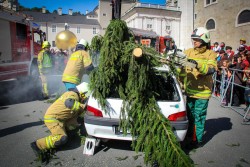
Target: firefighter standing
<point>60,118</point>
<point>198,83</point>
<point>77,63</point>
<point>45,65</point>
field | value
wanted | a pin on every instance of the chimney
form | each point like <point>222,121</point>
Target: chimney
<point>70,12</point>
<point>87,11</point>
<point>43,9</point>
<point>59,11</point>
<point>14,7</point>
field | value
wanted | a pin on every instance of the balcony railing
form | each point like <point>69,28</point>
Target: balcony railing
<point>156,6</point>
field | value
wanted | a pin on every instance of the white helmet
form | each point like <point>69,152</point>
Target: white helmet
<point>83,42</point>
<point>83,89</point>
<point>201,33</point>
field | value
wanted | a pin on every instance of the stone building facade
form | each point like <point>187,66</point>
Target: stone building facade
<point>227,20</point>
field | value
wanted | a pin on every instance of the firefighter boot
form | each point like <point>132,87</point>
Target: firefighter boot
<point>41,155</point>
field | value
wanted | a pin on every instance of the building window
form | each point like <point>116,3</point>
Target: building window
<point>244,17</point>
<point>195,16</point>
<point>94,30</point>
<point>209,2</point>
<point>53,44</point>
<point>104,14</point>
<point>167,27</point>
<point>53,28</point>
<point>78,30</point>
<point>195,1</point>
<point>149,26</point>
<point>21,31</point>
<point>210,24</point>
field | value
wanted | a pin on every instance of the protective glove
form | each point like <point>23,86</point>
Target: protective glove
<point>194,62</point>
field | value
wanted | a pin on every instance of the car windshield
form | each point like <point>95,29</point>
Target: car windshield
<point>164,86</point>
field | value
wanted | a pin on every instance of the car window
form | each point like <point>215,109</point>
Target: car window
<point>165,89</point>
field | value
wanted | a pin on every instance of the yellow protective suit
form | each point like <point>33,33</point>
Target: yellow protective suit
<point>44,61</point>
<point>196,83</point>
<point>75,67</point>
<point>59,118</point>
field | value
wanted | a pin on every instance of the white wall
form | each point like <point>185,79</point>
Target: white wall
<point>158,24</point>
<point>187,17</point>
<point>86,31</point>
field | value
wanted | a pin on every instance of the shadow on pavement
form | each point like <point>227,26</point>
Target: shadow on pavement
<point>212,128</point>
<point>3,108</point>
<point>18,128</point>
<point>72,143</point>
<point>215,126</point>
<point>114,144</point>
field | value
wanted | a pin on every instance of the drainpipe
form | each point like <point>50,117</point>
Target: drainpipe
<point>46,31</point>
<point>193,14</point>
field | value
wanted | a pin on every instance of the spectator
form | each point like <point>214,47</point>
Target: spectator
<point>241,49</point>
<point>216,47</point>
<point>229,52</point>
<point>244,60</point>
<point>238,79</point>
<point>222,57</point>
<point>222,46</point>
<point>243,42</point>
<point>247,89</point>
<point>226,74</point>
<point>60,57</point>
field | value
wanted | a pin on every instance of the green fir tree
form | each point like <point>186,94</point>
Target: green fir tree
<point>136,81</point>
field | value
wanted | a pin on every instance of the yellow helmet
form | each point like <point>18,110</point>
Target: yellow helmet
<point>46,44</point>
<point>243,39</point>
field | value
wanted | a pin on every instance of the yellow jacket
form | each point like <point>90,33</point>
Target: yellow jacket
<point>75,67</point>
<point>197,82</point>
<point>59,111</point>
<point>44,61</point>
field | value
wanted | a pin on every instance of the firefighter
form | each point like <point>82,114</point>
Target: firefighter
<point>77,63</point>
<point>61,118</point>
<point>45,65</point>
<point>198,83</point>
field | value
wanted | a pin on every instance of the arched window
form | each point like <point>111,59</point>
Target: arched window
<point>210,24</point>
<point>244,17</point>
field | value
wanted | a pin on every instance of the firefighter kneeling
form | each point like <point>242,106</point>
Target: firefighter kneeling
<point>60,118</point>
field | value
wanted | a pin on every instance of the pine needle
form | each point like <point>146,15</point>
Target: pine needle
<point>233,145</point>
<point>243,160</point>
<point>58,163</point>
<point>210,162</point>
<point>121,158</point>
<point>136,156</point>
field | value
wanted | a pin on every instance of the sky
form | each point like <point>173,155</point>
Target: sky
<point>76,5</point>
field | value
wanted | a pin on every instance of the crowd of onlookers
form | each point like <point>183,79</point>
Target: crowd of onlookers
<point>60,59</point>
<point>233,66</point>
